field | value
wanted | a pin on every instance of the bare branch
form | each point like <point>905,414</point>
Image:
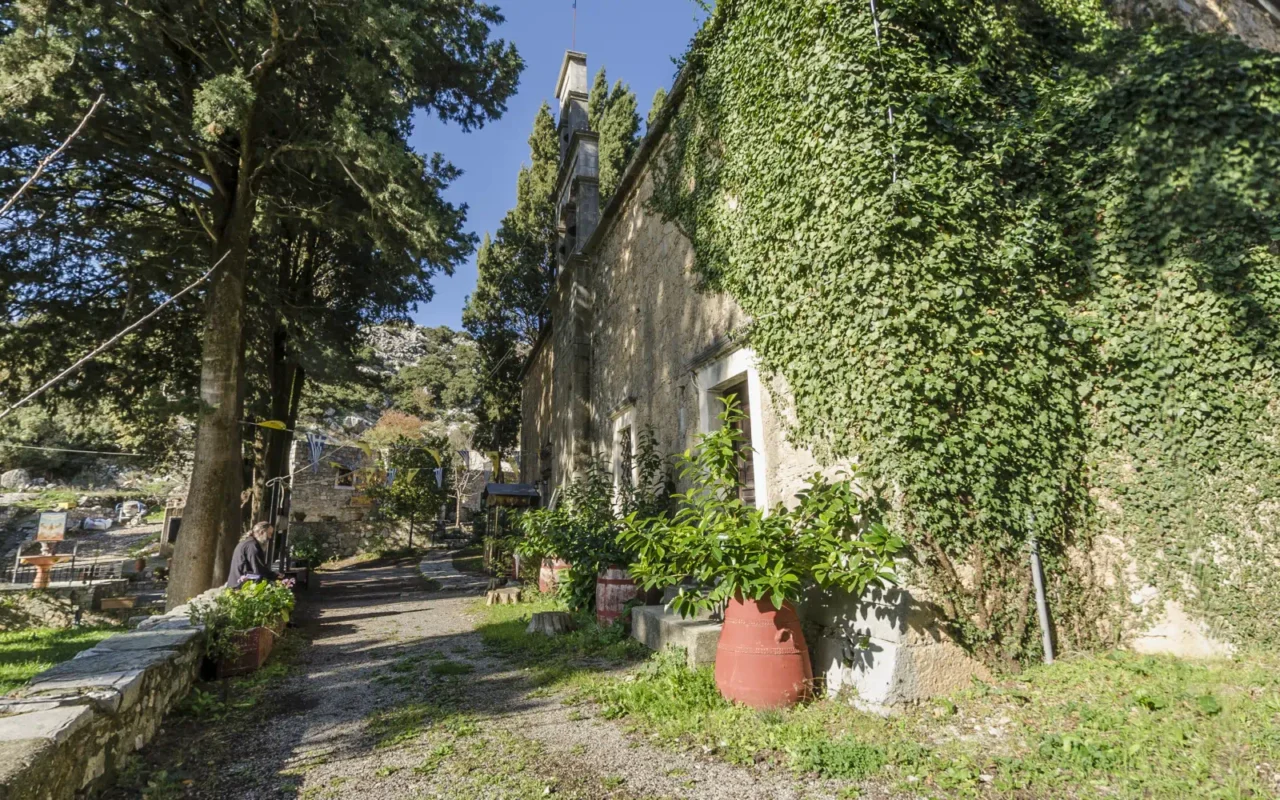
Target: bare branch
<point>50,158</point>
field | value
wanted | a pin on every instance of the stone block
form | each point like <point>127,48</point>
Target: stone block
<point>54,724</point>
<point>659,629</point>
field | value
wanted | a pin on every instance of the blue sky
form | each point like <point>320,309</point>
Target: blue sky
<point>634,40</point>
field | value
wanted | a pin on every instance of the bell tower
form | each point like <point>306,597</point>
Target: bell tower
<point>578,187</point>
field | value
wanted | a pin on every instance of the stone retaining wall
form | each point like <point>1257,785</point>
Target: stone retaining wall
<point>345,539</point>
<point>58,606</point>
<point>66,733</point>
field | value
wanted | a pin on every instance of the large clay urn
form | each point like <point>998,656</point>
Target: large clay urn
<point>553,571</point>
<point>762,660</point>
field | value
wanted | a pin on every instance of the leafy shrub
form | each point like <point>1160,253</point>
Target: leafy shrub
<point>735,549</point>
<point>583,528</point>
<point>310,547</point>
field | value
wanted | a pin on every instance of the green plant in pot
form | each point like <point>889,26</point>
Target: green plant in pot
<point>756,563</point>
<point>241,624</point>
<point>576,539</point>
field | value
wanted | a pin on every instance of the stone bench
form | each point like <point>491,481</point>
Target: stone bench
<point>65,733</point>
<point>659,629</point>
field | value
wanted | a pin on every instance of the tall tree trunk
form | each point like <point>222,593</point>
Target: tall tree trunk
<point>268,442</point>
<point>233,526</point>
<point>213,496</point>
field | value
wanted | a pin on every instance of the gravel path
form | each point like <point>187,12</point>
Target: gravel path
<point>396,698</point>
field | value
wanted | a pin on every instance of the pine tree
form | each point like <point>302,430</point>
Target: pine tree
<point>612,114</point>
<point>515,271</point>
<point>207,102</point>
<point>659,100</point>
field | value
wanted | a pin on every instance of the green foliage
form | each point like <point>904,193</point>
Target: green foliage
<point>254,604</point>
<point>732,549</point>
<point>839,758</point>
<point>445,380</point>
<point>310,547</point>
<point>583,528</point>
<point>655,108</point>
<point>26,653</point>
<point>1023,264</point>
<point>612,114</point>
<point>412,493</point>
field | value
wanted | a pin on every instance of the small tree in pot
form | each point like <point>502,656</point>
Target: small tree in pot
<point>756,563</point>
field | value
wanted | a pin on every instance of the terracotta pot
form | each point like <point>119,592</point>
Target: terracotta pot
<point>552,572</point>
<point>614,589</point>
<point>253,648</point>
<point>762,660</point>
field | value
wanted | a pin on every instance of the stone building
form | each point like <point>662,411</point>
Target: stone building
<point>634,344</point>
<point>332,492</point>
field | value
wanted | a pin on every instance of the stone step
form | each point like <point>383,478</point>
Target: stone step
<point>658,629</point>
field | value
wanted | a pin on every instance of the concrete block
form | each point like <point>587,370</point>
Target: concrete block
<point>659,629</point>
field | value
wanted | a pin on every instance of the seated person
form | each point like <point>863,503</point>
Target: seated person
<point>249,561</point>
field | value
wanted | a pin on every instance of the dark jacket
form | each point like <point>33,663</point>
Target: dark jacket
<point>249,562</point>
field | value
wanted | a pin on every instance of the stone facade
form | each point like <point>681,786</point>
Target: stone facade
<point>67,732</point>
<point>330,493</point>
<point>1255,22</point>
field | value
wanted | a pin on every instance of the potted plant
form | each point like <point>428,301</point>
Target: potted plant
<point>756,564</point>
<point>241,624</point>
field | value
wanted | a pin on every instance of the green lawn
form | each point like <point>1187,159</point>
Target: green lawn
<point>23,654</point>
<point>1109,724</point>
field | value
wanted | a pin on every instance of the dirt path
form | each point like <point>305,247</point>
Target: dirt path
<point>396,698</point>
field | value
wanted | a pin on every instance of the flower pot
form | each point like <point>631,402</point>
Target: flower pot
<point>252,648</point>
<point>614,589</point>
<point>552,572</point>
<point>762,660</point>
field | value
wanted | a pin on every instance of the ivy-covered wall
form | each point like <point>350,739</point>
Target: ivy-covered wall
<point>1024,263</point>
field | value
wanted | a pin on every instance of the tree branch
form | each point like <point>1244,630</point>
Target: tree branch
<point>50,158</point>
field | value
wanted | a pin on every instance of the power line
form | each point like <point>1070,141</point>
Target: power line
<point>110,341</point>
<point>69,450</point>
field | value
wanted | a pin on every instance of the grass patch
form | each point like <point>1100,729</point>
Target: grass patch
<point>450,668</point>
<point>1113,725</point>
<point>25,654</point>
<point>556,661</point>
<point>470,560</point>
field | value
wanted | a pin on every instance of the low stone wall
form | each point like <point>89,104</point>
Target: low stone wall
<point>886,647</point>
<point>65,734</point>
<point>58,606</point>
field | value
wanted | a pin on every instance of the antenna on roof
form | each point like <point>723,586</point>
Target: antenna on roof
<point>573,38</point>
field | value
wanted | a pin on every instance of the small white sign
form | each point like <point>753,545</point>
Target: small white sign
<point>53,526</point>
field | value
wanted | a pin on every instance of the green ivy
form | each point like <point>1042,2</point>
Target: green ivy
<point>1022,264</point>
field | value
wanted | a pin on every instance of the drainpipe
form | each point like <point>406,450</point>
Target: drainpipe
<point>1042,605</point>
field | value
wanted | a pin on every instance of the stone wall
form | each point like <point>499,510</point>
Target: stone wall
<point>1255,22</point>
<point>66,733</point>
<point>316,496</point>
<point>58,606</point>
<point>344,539</point>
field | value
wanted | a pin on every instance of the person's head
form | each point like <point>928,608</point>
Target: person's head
<point>263,532</point>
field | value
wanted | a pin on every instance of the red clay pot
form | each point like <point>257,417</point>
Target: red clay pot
<point>253,648</point>
<point>552,572</point>
<point>762,660</point>
<point>614,589</point>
